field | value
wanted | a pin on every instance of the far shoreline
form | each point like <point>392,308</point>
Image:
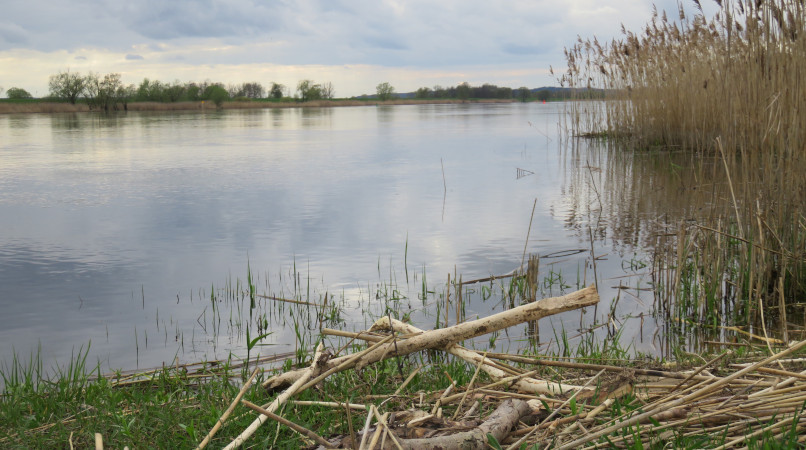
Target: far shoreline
<point>45,107</point>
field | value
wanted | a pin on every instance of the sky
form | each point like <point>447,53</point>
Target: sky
<point>353,44</point>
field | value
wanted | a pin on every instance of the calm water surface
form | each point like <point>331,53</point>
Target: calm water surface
<point>114,230</point>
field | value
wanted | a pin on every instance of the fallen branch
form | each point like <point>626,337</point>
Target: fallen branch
<point>526,384</point>
<point>445,337</point>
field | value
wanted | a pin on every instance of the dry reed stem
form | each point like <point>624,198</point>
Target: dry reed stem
<point>469,386</point>
<point>296,427</point>
<point>407,380</point>
<point>688,399</point>
<point>282,398</point>
<point>554,413</point>
<point>220,422</point>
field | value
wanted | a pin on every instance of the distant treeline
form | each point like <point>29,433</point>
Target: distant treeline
<point>465,91</point>
<point>108,92</point>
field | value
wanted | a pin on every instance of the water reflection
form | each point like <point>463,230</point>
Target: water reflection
<point>154,217</point>
<point>66,121</point>
<point>316,118</point>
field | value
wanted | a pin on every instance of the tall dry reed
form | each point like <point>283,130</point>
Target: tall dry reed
<point>730,90</point>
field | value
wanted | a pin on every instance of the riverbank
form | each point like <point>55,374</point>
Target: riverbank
<point>56,107</point>
<point>720,399</point>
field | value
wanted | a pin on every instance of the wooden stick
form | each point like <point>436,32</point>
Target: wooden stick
<point>366,429</point>
<point>587,366</point>
<point>296,302</point>
<point>282,398</point>
<point>407,381</point>
<point>356,406</point>
<point>382,421</point>
<point>298,428</point>
<point>469,386</point>
<point>229,410</point>
<point>378,430</point>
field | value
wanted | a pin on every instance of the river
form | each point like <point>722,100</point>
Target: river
<point>115,229</point>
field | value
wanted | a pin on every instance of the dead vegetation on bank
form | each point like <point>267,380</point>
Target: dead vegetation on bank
<point>510,402</point>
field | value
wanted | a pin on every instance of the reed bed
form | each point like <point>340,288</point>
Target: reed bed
<point>728,92</point>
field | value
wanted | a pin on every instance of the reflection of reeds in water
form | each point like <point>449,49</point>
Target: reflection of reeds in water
<point>727,94</point>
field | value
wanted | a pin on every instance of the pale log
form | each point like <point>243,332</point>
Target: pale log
<point>444,337</point>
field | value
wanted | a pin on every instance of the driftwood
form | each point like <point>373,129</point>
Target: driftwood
<point>499,424</point>
<point>444,337</point>
<point>526,384</point>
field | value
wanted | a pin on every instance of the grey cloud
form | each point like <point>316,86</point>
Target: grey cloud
<point>414,33</point>
<point>158,19</point>
<point>385,43</point>
<point>521,49</point>
<point>80,58</point>
<point>131,57</point>
<point>12,33</point>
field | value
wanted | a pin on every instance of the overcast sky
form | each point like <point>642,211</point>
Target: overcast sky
<point>355,44</point>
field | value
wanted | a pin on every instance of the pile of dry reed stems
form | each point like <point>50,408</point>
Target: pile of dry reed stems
<point>516,406</point>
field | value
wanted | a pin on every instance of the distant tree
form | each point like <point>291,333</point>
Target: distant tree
<point>252,90</point>
<point>440,92</point>
<point>524,94</point>
<point>543,95</point>
<point>486,91</point>
<point>234,90</point>
<point>193,92</point>
<point>217,94</point>
<point>127,94</point>
<point>307,90</point>
<point>103,93</point>
<point>327,90</point>
<point>463,91</point>
<point>17,93</point>
<point>152,91</point>
<point>92,87</point>
<point>504,92</point>
<point>174,92</point>
<point>67,86</point>
<point>423,92</point>
<point>276,90</point>
<point>385,91</point>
